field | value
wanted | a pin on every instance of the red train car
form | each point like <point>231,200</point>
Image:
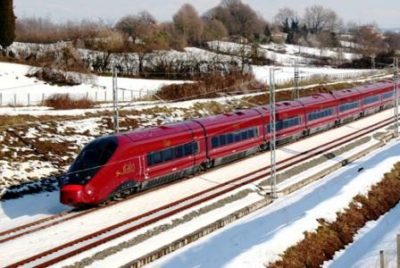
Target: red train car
<point>146,157</point>
<point>348,104</point>
<point>320,112</point>
<point>290,121</point>
<point>233,135</point>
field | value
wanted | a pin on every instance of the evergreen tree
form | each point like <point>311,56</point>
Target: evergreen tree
<point>7,23</point>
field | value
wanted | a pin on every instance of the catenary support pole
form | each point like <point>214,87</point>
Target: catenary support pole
<point>115,101</point>
<point>396,97</point>
<point>296,93</point>
<point>272,131</point>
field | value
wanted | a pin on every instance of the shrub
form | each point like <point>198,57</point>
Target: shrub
<point>321,245</point>
<point>65,102</point>
<point>211,86</point>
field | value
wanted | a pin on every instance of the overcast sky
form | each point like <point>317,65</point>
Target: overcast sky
<point>385,13</point>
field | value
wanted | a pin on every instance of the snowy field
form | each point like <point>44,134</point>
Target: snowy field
<point>259,238</point>
<point>17,89</point>
<point>374,237</point>
<point>285,54</point>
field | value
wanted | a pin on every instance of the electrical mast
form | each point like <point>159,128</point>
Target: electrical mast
<point>272,131</point>
<point>115,100</point>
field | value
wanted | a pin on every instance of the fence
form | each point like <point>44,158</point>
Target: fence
<point>34,99</point>
<point>390,258</point>
<point>8,98</point>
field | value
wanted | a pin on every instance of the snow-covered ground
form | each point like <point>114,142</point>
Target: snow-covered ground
<point>259,238</point>
<point>374,237</point>
<point>17,89</point>
<point>285,75</point>
<point>285,54</point>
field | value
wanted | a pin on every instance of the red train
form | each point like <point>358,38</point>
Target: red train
<point>147,157</point>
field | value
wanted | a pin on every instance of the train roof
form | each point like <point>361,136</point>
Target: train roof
<point>228,118</point>
<point>345,93</point>
<point>161,131</point>
<point>319,98</point>
<point>283,106</point>
<point>371,88</point>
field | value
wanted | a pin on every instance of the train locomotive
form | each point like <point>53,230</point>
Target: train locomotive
<point>147,157</point>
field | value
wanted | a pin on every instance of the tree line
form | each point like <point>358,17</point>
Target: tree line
<point>231,20</point>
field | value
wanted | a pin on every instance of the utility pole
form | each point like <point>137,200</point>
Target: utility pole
<point>115,101</point>
<point>272,131</point>
<point>396,97</point>
<point>295,92</point>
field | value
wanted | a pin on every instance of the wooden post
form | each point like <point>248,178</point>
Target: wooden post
<point>382,259</point>
<point>398,251</point>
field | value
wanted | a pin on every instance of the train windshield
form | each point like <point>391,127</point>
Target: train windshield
<point>90,160</point>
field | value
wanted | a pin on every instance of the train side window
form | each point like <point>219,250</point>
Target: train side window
<point>237,137</point>
<point>250,133</point>
<point>214,142</point>
<point>195,147</point>
<point>167,155</point>
<point>188,149</point>
<point>222,140</point>
<point>229,138</point>
<point>244,135</point>
<point>179,151</point>
<point>388,95</point>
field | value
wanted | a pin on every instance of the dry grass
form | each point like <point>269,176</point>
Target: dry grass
<point>321,245</point>
<point>211,86</point>
<point>287,94</point>
<point>65,102</point>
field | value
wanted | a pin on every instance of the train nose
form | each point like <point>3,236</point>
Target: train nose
<point>72,195</point>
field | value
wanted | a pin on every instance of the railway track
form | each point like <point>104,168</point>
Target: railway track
<point>92,240</point>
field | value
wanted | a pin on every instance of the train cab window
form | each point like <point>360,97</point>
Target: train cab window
<point>91,159</point>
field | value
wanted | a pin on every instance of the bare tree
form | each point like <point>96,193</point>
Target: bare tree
<point>317,18</point>
<point>370,40</point>
<point>285,17</point>
<point>239,19</point>
<point>137,26</point>
<point>393,40</point>
<point>188,22</point>
<point>214,30</point>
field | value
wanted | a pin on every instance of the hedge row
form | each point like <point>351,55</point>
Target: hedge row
<point>321,245</point>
